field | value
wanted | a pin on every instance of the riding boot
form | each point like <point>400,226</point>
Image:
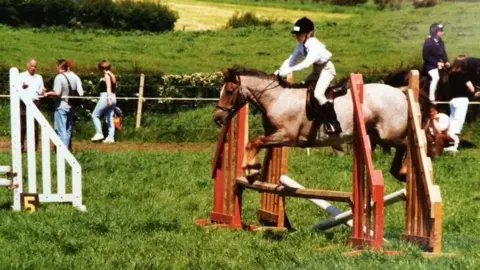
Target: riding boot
<point>332,126</point>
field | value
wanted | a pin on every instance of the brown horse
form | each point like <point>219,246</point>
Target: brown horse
<point>285,118</point>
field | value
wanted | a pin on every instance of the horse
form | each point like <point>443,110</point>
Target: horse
<point>468,66</point>
<point>286,121</point>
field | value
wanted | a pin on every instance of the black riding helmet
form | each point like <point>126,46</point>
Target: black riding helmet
<point>435,28</point>
<point>303,26</point>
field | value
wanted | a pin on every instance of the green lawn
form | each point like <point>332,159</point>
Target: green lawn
<point>141,208</point>
<point>364,42</point>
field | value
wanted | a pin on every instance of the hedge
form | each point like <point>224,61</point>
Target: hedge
<point>122,15</point>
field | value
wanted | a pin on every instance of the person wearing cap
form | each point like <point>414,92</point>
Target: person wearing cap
<point>434,56</point>
<point>313,52</point>
<point>64,82</point>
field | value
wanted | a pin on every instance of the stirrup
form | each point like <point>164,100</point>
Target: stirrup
<point>333,128</point>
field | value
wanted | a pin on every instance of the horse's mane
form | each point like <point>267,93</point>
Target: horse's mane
<point>241,70</point>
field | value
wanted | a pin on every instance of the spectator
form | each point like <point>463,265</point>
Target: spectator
<point>462,90</point>
<point>63,115</point>
<point>32,83</point>
<point>434,56</point>
<point>106,104</point>
<point>437,129</point>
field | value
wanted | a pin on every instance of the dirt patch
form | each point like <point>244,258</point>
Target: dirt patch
<point>126,146</point>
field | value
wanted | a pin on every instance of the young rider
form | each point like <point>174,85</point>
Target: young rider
<point>313,52</point>
<point>434,56</point>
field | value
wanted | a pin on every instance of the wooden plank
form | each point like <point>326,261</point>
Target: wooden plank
<point>307,193</point>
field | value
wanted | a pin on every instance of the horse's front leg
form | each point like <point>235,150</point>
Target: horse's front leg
<point>251,165</point>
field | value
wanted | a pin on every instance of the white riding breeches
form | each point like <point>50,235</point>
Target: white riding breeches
<point>433,84</point>
<point>458,113</point>
<point>325,74</point>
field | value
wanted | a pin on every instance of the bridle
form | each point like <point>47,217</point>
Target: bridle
<point>238,98</point>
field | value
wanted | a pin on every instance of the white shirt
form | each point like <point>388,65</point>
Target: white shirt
<point>316,53</point>
<point>35,84</point>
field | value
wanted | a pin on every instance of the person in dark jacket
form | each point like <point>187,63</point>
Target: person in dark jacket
<point>434,56</point>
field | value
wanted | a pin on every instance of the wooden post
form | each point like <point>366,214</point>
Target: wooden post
<point>423,213</point>
<point>226,166</point>
<point>367,183</point>
<point>140,101</point>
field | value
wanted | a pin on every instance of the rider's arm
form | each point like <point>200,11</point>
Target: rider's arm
<point>316,53</point>
<point>293,58</point>
<point>470,87</point>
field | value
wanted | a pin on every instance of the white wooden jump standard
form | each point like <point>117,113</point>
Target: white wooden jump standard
<point>47,134</point>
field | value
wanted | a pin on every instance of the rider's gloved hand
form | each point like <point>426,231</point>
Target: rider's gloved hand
<point>285,71</point>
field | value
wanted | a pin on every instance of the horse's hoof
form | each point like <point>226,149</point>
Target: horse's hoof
<point>252,174</point>
<point>252,178</point>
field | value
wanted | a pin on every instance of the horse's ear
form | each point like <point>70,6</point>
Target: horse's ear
<point>226,72</point>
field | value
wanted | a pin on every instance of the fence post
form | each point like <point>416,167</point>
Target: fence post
<point>140,101</point>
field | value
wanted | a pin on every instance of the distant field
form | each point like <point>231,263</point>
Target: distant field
<point>196,15</point>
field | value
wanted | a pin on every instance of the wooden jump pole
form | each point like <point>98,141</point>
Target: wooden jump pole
<point>423,213</point>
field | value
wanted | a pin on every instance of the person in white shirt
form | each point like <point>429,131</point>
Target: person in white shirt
<point>313,52</point>
<point>32,83</point>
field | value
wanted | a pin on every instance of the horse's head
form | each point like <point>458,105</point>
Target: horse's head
<point>231,99</point>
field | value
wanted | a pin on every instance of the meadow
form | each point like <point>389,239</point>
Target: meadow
<point>143,195</point>
<point>142,204</point>
<point>362,43</point>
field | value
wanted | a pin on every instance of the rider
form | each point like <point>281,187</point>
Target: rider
<point>313,52</point>
<point>434,56</point>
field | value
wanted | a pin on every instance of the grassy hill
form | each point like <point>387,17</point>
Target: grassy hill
<point>374,40</point>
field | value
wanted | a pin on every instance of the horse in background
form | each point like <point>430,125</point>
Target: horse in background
<point>469,66</point>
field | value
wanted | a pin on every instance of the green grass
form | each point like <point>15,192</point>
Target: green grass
<point>141,207</point>
<point>361,43</point>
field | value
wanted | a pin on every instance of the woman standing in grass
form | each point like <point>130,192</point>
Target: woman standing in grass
<point>106,104</point>
<point>434,56</point>
<point>313,53</point>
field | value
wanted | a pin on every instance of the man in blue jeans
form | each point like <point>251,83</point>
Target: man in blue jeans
<point>65,81</point>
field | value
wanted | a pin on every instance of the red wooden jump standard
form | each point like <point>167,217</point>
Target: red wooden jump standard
<point>367,182</point>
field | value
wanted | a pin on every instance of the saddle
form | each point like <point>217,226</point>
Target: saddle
<point>313,108</point>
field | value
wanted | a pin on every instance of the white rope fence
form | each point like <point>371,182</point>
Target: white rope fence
<point>159,99</point>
